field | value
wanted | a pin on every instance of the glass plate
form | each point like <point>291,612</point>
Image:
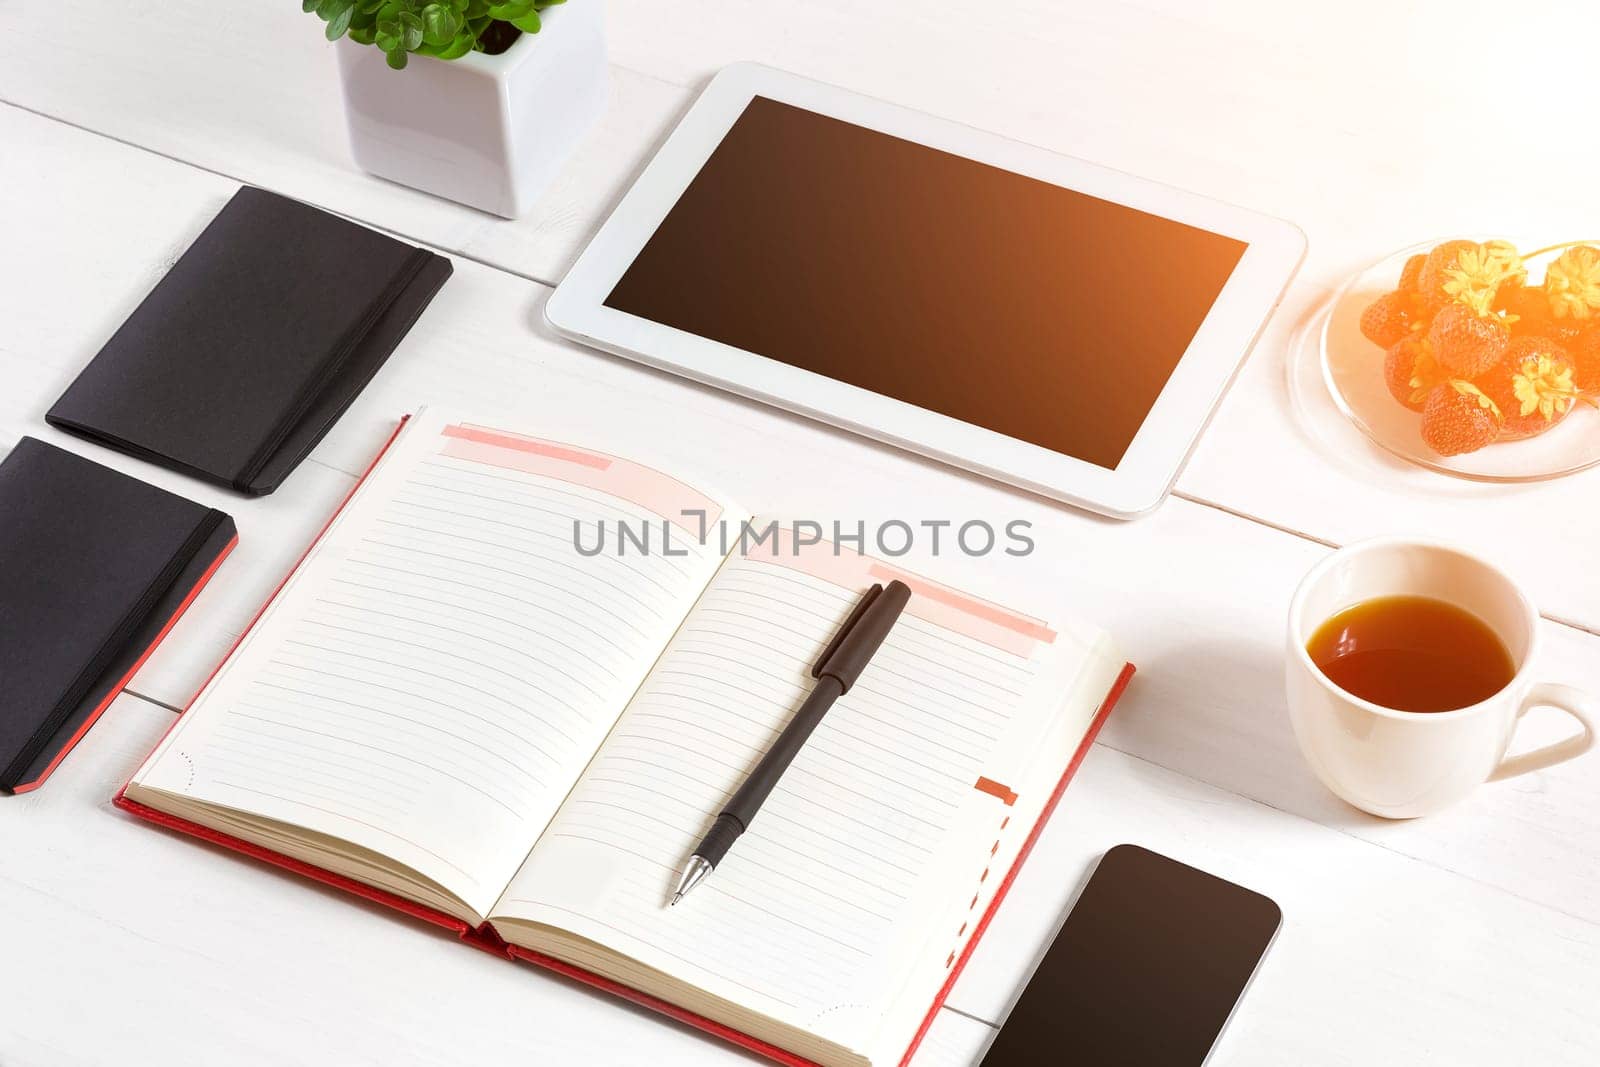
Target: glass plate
<point>1352,368</point>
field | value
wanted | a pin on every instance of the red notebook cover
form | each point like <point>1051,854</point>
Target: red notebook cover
<point>485,938</point>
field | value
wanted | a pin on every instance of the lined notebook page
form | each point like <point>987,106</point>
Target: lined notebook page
<point>821,907</point>
<point>436,676</point>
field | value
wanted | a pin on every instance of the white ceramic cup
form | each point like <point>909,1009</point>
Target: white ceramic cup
<point>1401,764</point>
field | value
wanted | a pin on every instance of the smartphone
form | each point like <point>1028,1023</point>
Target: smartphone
<point>1144,972</point>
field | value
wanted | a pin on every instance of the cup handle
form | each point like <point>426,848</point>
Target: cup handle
<point>1579,705</point>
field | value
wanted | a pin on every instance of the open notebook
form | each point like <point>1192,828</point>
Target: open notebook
<point>449,703</point>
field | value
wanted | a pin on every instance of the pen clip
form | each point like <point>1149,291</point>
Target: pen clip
<point>844,630</point>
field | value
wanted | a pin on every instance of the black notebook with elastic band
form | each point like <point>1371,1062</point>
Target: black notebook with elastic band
<point>253,344</point>
<point>95,567</point>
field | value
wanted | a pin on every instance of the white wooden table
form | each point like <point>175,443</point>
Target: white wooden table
<point>1469,938</point>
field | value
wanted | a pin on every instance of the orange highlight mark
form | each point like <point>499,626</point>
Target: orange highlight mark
<point>995,789</point>
<point>527,444</point>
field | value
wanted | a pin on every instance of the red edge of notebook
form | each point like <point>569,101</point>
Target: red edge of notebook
<point>116,690</point>
<point>485,938</point>
<point>1027,846</point>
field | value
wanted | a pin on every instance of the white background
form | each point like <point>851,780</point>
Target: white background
<point>1472,937</point>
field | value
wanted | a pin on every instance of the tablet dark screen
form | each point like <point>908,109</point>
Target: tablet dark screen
<point>997,299</point>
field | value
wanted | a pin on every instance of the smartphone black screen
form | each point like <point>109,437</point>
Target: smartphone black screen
<point>1145,971</point>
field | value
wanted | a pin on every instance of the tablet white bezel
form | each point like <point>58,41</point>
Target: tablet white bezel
<point>1169,432</point>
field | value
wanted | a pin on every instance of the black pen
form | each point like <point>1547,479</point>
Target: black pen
<point>836,670</point>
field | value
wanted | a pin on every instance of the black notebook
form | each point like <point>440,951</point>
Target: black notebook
<point>95,566</point>
<point>253,345</point>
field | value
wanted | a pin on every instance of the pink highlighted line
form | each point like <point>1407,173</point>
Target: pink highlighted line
<point>989,623</point>
<point>665,496</point>
<point>527,444</point>
<point>972,606</point>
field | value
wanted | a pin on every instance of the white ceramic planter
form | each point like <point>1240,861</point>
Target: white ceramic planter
<point>486,131</point>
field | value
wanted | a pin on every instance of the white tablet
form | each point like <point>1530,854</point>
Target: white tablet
<point>1034,318</point>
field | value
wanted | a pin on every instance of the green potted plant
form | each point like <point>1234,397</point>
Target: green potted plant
<point>476,101</point>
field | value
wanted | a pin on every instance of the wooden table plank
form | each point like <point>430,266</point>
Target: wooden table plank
<point>1456,939</point>
<point>144,943</point>
<point>1197,597</point>
<point>190,954</point>
<point>1269,114</point>
<point>1380,959</point>
<point>278,123</point>
<point>1348,119</point>
<point>1249,101</point>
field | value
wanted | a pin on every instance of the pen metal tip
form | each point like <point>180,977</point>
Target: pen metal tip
<point>696,869</point>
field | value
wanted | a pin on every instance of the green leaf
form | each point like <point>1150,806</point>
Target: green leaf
<point>388,35</point>
<point>447,29</point>
<point>511,10</point>
<point>341,22</point>
<point>439,24</point>
<point>411,29</point>
<point>459,47</point>
<point>308,6</point>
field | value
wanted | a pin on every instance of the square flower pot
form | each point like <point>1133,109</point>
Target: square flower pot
<point>486,131</point>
